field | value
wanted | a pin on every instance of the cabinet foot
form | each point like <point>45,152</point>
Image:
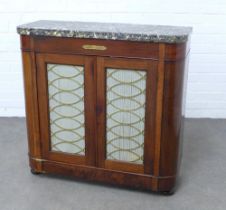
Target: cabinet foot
<point>168,193</point>
<point>35,172</point>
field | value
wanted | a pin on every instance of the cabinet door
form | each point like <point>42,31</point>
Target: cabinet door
<point>126,97</point>
<point>66,95</point>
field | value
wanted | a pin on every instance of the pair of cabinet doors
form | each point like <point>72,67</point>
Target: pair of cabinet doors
<point>98,111</point>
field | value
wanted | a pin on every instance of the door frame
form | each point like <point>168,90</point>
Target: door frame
<point>89,107</point>
<point>151,68</point>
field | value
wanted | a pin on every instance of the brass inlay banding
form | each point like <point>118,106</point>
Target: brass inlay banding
<point>38,159</point>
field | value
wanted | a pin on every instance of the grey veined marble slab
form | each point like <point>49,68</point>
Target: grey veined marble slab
<point>112,31</point>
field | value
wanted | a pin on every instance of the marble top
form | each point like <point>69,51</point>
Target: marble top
<point>112,31</point>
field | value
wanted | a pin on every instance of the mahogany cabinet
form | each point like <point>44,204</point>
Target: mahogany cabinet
<point>105,104</point>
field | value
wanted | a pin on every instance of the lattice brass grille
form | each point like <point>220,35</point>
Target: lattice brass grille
<point>66,105</point>
<point>125,114</point>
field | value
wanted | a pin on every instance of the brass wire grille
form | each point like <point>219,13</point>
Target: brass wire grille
<point>125,114</point>
<point>66,107</point>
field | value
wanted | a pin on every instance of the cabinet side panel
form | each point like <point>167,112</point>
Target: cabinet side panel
<point>174,52</point>
<point>158,113</point>
<point>29,72</point>
<point>183,113</point>
<point>172,117</point>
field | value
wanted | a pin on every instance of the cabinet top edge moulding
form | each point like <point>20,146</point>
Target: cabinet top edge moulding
<point>107,31</point>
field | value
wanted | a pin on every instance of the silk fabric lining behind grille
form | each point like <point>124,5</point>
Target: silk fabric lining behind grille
<point>125,115</point>
<point>66,106</point>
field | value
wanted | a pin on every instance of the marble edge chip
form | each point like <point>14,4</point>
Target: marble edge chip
<point>112,31</point>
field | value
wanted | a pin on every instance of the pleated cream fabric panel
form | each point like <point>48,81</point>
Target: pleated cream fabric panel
<point>66,105</point>
<point>125,114</point>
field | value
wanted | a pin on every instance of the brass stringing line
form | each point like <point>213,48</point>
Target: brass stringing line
<point>123,123</point>
<point>60,131</point>
<point>62,91</point>
<point>53,85</point>
<point>67,129</point>
<point>117,147</point>
<point>75,133</point>
<point>65,103</point>
<point>116,150</point>
<point>128,97</point>
<point>66,78</point>
<point>71,144</point>
<point>51,69</point>
<point>79,139</point>
<point>57,75</point>
<point>133,109</point>
<point>136,159</point>
<point>129,136</point>
<point>68,142</point>
<point>54,134</point>
<point>69,116</point>
<point>142,77</point>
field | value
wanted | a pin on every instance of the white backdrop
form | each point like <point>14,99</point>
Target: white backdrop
<point>206,96</point>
